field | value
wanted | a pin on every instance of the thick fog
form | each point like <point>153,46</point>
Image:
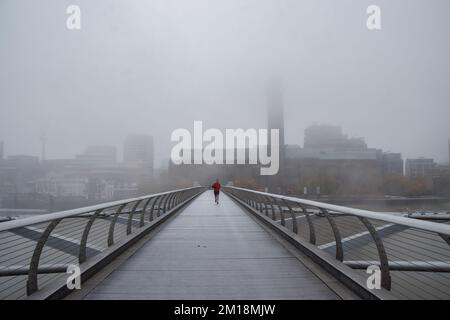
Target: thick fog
<point>154,66</point>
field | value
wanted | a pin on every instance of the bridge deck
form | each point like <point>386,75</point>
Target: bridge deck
<point>212,252</point>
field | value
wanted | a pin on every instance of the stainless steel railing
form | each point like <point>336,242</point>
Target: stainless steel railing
<point>35,251</point>
<point>413,255</point>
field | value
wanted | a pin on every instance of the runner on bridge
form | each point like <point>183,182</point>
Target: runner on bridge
<point>216,186</point>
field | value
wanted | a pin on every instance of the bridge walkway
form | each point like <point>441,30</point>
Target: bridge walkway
<point>211,252</point>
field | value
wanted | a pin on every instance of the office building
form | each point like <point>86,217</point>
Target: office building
<point>98,156</point>
<point>392,164</point>
<point>138,150</point>
<point>420,167</point>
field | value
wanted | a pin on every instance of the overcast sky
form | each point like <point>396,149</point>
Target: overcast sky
<point>157,65</point>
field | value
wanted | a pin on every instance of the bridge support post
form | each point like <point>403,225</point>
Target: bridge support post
<point>112,226</point>
<point>161,205</point>
<point>312,230</point>
<point>272,208</point>
<point>166,200</point>
<point>384,262</point>
<point>336,233</point>
<point>157,200</point>
<point>266,208</point>
<point>294,220</point>
<point>283,221</point>
<point>141,221</point>
<point>130,216</point>
<point>84,237</point>
<point>32,282</point>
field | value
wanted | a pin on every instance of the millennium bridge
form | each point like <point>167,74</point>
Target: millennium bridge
<point>253,245</point>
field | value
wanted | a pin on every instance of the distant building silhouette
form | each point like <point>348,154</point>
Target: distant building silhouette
<point>449,152</point>
<point>331,137</point>
<point>138,157</point>
<point>275,109</point>
<point>98,156</point>
<point>335,163</point>
<point>275,120</point>
<point>16,173</point>
<point>420,167</point>
<point>138,150</point>
<point>2,152</point>
<point>392,164</point>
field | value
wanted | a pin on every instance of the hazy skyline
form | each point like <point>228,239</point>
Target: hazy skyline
<point>155,66</point>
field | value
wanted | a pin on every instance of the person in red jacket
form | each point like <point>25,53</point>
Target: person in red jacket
<point>216,187</point>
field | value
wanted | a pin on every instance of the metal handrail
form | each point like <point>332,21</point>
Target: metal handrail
<point>400,220</point>
<point>340,219</point>
<point>13,224</point>
<point>25,259</point>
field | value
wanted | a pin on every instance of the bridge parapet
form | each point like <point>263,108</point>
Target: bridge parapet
<point>411,256</point>
<point>37,250</point>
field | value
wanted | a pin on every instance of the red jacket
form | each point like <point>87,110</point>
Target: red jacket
<point>216,186</point>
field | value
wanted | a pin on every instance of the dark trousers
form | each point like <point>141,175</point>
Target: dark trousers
<point>216,196</point>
